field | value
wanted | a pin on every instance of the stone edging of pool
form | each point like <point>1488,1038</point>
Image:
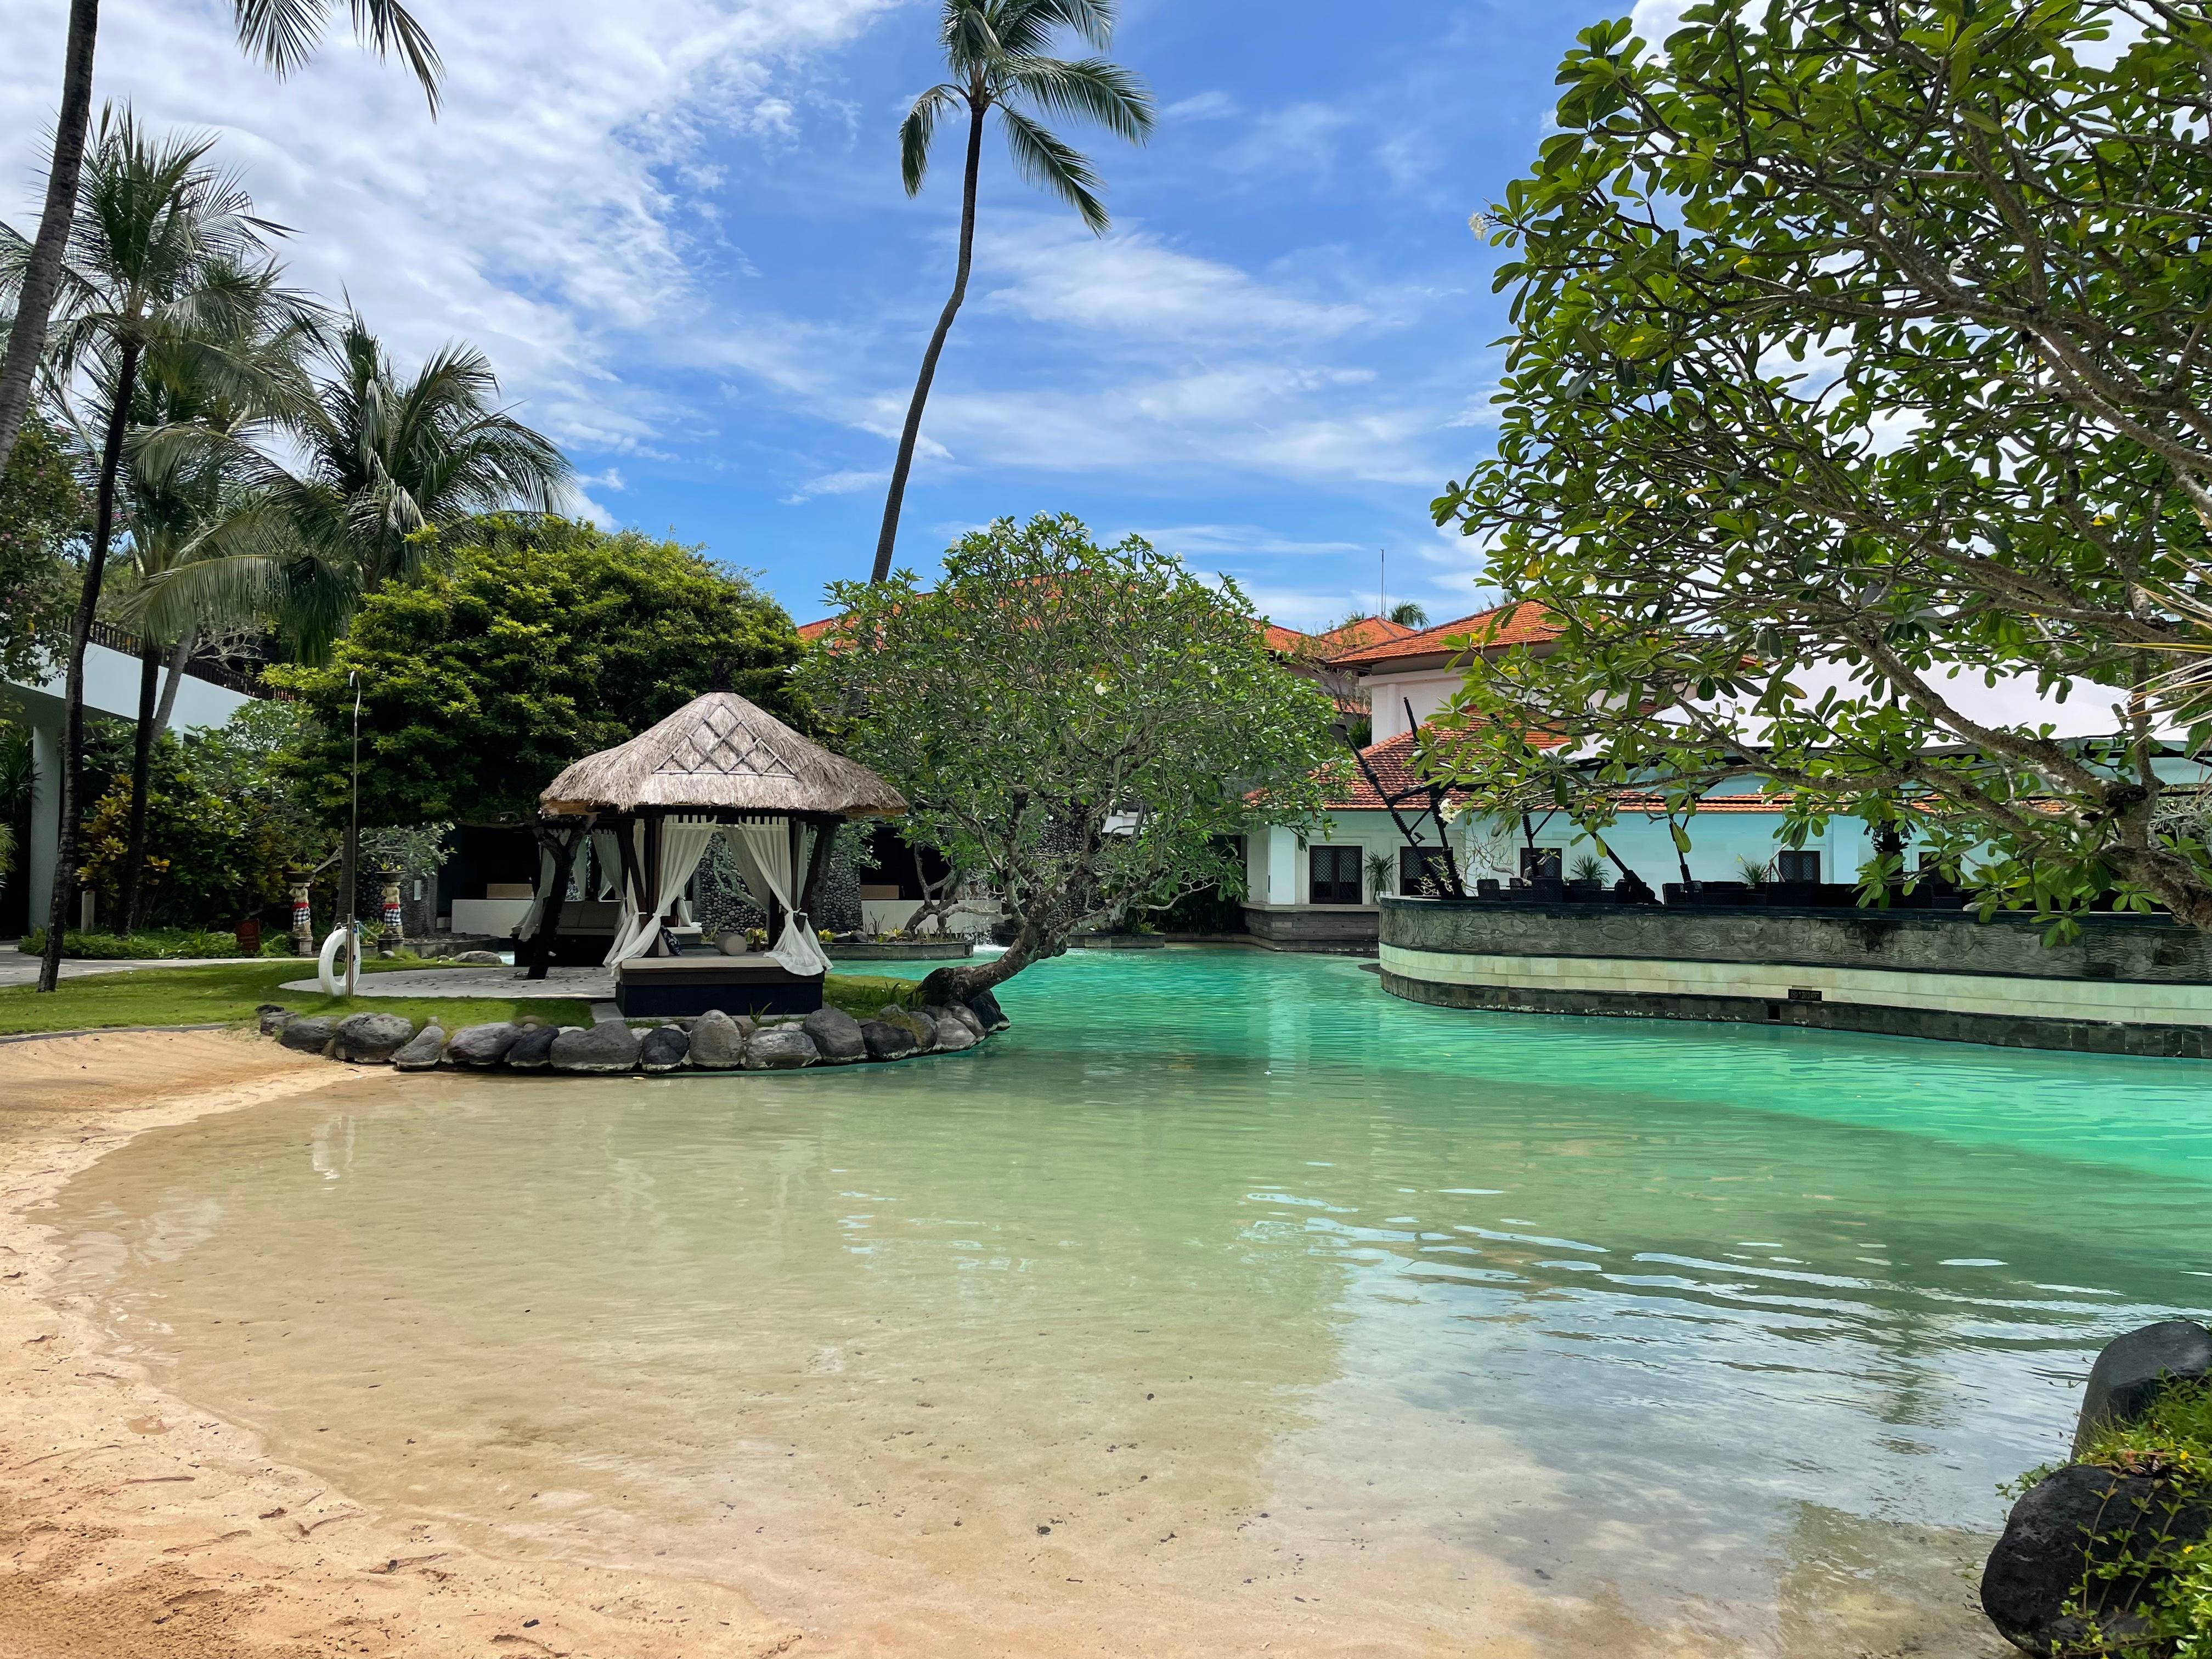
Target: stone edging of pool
<point>2128,985</point>
<point>713,1041</point>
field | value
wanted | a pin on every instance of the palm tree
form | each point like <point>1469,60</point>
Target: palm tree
<point>390,463</point>
<point>202,405</point>
<point>158,257</point>
<point>282,33</point>
<point>1408,613</point>
<point>995,51</point>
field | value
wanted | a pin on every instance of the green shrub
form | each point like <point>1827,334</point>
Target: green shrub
<point>148,944</point>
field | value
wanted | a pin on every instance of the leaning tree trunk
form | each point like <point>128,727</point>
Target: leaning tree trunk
<point>1031,944</point>
<point>95,568</point>
<point>42,273</point>
<point>887,536</point>
<point>133,894</point>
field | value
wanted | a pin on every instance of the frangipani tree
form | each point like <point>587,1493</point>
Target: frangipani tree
<point>1859,358</point>
<point>997,52</point>
<point>1078,727</point>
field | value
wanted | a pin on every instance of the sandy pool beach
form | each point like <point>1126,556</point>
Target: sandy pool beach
<point>132,1526</point>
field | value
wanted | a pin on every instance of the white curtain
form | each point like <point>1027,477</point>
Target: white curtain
<point>763,855</point>
<point>608,851</point>
<point>549,871</point>
<point>683,843</point>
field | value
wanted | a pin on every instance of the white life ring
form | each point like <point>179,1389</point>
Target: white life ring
<point>325,967</point>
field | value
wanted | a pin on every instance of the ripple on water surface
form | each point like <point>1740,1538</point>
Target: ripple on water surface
<point>1224,1292</point>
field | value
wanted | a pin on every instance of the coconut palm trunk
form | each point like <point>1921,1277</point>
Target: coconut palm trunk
<point>132,898</point>
<point>42,274</point>
<point>888,537</point>
<point>96,569</point>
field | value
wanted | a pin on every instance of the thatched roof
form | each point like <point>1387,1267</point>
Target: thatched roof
<point>722,751</point>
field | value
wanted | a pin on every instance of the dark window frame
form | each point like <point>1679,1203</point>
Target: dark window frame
<point>1798,867</point>
<point>1336,860</point>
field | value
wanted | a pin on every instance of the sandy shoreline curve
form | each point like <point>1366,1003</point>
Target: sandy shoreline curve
<point>133,1526</point>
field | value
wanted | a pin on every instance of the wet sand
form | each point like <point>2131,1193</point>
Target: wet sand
<point>132,1527</point>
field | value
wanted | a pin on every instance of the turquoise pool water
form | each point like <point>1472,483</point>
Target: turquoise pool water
<point>1224,1293</point>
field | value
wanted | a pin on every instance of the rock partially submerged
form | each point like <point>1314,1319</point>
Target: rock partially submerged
<point>533,1047</point>
<point>310,1034</point>
<point>370,1039</point>
<point>836,1036</point>
<point>783,1048</point>
<point>664,1047</point>
<point>885,1040</point>
<point>985,1007</point>
<point>2082,1535</point>
<point>718,1041</point>
<point>423,1050</point>
<point>481,1045</point>
<point>612,1047</point>
<point>923,1031</point>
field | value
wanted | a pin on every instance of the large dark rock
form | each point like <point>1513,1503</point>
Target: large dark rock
<point>2134,1369</point>
<point>2068,1525</point>
<point>370,1039</point>
<point>779,1049</point>
<point>481,1045</point>
<point>953,1033</point>
<point>885,1040</point>
<point>612,1046</point>
<point>274,1018</point>
<point>836,1036</point>
<point>718,1041</point>
<point>985,1007</point>
<point>923,1031</point>
<point>423,1050</point>
<point>967,1017</point>
<point>533,1047</point>
<point>310,1034</point>
<point>664,1048</point>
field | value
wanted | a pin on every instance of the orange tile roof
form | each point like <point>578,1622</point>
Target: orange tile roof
<point>1502,625</point>
<point>1391,762</point>
<point>1345,635</point>
<point>814,630</point>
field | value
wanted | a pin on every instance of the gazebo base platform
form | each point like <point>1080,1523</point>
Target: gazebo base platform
<point>682,987</point>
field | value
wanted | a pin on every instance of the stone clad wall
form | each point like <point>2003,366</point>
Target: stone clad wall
<point>2130,985</point>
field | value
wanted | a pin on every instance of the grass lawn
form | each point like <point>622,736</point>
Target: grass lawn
<point>228,992</point>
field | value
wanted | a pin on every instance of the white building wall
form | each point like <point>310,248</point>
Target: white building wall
<point>1426,689</point>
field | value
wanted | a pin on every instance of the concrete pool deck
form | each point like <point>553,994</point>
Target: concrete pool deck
<point>582,984</point>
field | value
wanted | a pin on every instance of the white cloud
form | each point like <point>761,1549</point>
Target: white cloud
<point>1204,106</point>
<point>1655,20</point>
<point>531,217</point>
<point>1301,138</point>
<point>1134,284</point>
<point>849,482</point>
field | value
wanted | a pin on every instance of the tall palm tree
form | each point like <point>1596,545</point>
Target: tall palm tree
<point>159,256</point>
<point>995,49</point>
<point>201,406</point>
<point>282,33</point>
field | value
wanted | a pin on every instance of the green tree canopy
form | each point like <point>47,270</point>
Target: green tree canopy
<point>1858,356</point>
<point>1076,725</point>
<point>44,520</point>
<point>534,642</point>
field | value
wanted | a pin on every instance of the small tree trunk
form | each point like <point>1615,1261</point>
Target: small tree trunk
<point>42,272</point>
<point>95,568</point>
<point>133,894</point>
<point>177,658</point>
<point>887,538</point>
<point>1031,944</point>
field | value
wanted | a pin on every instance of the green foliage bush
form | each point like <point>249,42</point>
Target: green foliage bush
<point>532,647</point>
<point>43,519</point>
<point>148,944</point>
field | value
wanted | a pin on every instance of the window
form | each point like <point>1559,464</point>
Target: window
<point>1422,873</point>
<point>1335,875</point>
<point>1797,866</point>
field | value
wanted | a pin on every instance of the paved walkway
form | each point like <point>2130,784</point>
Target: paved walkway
<point>17,968</point>
<point>585,984</point>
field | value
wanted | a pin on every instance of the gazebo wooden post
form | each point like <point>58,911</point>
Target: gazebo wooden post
<point>825,837</point>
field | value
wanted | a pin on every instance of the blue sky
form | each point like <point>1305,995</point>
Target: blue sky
<point>677,228</point>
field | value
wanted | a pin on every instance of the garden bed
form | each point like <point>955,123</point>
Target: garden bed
<point>902,949</point>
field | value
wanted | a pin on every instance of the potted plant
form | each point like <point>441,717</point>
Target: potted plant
<point>1586,877</point>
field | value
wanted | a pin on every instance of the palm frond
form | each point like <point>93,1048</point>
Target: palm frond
<point>1087,89</point>
<point>283,34</point>
<point>1046,161</point>
<point>1031,21</point>
<point>919,128</point>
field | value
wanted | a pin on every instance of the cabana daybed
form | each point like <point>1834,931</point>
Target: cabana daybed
<point>648,809</point>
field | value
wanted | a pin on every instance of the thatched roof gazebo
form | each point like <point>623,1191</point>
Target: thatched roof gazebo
<point>650,807</point>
